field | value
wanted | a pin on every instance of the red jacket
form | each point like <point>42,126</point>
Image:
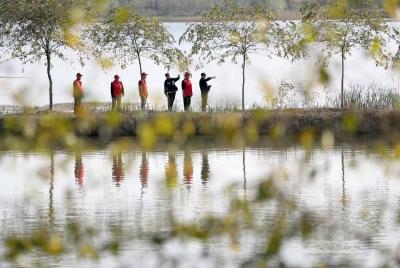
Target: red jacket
<point>117,89</point>
<point>187,88</point>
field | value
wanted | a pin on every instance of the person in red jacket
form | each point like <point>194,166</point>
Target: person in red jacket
<point>117,91</point>
<point>77,92</point>
<point>187,91</point>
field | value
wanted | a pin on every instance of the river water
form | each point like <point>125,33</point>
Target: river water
<point>352,192</point>
<point>263,73</point>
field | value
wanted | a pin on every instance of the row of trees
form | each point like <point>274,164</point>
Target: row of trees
<point>33,30</point>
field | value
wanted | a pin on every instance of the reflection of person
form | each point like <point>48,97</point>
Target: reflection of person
<point>117,91</point>
<point>143,90</point>
<point>188,168</point>
<point>144,170</point>
<point>187,91</point>
<point>204,88</point>
<point>77,92</point>
<point>79,170</point>
<point>171,173</point>
<point>170,89</point>
<point>118,172</point>
<point>205,168</point>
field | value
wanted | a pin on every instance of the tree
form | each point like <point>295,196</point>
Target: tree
<point>38,29</point>
<point>124,37</point>
<point>342,26</point>
<point>233,32</point>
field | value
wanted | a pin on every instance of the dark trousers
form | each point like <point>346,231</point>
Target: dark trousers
<point>143,100</point>
<point>171,99</point>
<point>116,103</point>
<point>186,103</point>
<point>204,99</point>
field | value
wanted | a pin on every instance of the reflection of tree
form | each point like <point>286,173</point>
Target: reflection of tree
<point>205,168</point>
<point>144,170</point>
<point>344,199</point>
<point>118,173</point>
<point>188,168</point>
<point>79,170</point>
<point>244,168</point>
<point>51,190</point>
<point>171,173</point>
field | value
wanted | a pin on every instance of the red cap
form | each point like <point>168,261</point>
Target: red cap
<point>116,76</point>
<point>79,74</point>
<point>144,73</point>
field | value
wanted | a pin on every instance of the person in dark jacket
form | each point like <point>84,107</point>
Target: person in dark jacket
<point>170,89</point>
<point>187,91</point>
<point>204,88</point>
<point>117,91</point>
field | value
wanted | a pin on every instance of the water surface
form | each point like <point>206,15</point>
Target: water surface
<point>354,194</point>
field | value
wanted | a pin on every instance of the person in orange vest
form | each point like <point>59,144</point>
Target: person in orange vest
<point>143,90</point>
<point>77,92</point>
<point>187,91</point>
<point>117,91</point>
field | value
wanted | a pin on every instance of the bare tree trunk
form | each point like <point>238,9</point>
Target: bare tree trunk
<point>243,79</point>
<point>48,61</point>
<point>140,62</point>
<point>342,83</point>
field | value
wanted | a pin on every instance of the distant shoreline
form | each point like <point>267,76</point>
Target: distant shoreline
<point>281,15</point>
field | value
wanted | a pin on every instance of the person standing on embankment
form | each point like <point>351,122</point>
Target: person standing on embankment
<point>170,89</point>
<point>77,92</point>
<point>143,92</point>
<point>117,91</point>
<point>187,91</point>
<point>204,88</point>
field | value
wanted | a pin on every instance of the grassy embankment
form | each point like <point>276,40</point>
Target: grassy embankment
<point>307,126</point>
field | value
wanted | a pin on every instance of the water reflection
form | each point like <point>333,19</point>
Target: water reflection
<point>244,168</point>
<point>344,199</point>
<point>205,168</point>
<point>171,171</point>
<point>118,172</point>
<point>188,168</point>
<point>354,202</point>
<point>79,171</point>
<point>51,190</point>
<point>144,170</point>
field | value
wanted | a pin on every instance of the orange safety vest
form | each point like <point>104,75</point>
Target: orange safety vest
<point>77,88</point>
<point>143,88</point>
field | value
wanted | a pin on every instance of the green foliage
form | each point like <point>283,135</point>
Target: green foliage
<point>342,26</point>
<point>44,29</point>
<point>124,37</point>
<point>233,33</point>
